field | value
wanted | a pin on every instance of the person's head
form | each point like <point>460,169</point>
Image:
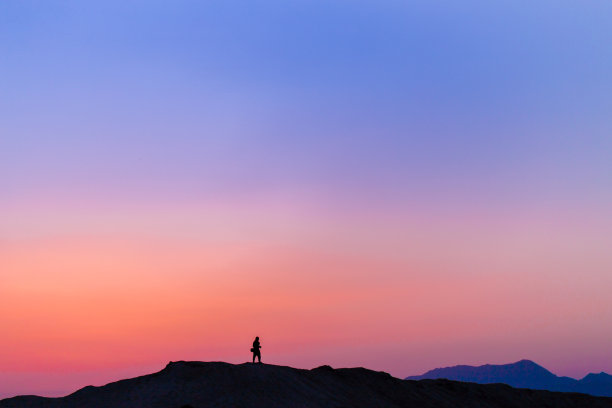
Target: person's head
<point>257,338</point>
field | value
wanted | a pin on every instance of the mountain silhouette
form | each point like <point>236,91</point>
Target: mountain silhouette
<point>216,384</point>
<point>523,374</point>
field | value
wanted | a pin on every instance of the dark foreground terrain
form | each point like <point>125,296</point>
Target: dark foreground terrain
<point>198,385</point>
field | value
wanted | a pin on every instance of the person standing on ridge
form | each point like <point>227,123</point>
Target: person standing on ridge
<point>255,350</point>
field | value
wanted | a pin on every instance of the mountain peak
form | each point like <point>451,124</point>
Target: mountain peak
<point>525,362</point>
<point>601,374</point>
<point>598,377</point>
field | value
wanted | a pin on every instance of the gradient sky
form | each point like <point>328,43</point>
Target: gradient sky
<point>399,185</point>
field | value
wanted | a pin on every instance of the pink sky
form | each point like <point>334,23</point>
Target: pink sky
<point>92,294</point>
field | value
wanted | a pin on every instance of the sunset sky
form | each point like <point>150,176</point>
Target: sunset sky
<point>399,185</point>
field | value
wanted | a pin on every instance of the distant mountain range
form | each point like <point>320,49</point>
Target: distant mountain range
<point>523,374</point>
<point>214,385</point>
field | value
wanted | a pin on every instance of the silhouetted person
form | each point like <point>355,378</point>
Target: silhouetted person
<point>255,349</point>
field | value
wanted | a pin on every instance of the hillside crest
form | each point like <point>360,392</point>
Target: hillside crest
<point>194,384</point>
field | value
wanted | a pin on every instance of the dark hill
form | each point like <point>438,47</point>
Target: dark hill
<point>200,385</point>
<point>523,374</point>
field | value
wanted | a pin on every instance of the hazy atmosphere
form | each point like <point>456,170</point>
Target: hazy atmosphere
<point>398,185</point>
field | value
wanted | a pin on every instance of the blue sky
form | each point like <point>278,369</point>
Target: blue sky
<point>432,87</point>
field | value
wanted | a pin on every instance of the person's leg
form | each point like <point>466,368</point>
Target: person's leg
<point>254,357</point>
<point>259,356</point>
